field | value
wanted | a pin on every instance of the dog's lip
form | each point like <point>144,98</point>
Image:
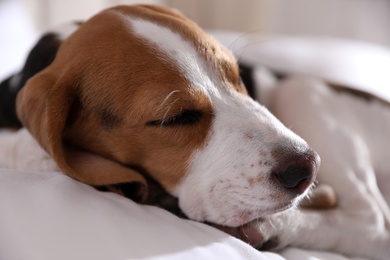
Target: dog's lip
<point>279,208</point>
<point>247,233</point>
<point>260,214</point>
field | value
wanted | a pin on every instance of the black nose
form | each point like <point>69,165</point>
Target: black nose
<point>297,171</point>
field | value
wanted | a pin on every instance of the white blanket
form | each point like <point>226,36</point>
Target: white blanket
<point>47,215</point>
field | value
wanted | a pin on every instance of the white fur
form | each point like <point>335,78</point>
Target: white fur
<point>352,138</point>
<point>173,47</point>
<point>220,173</point>
<point>217,187</point>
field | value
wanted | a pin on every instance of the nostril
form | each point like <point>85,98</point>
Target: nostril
<point>293,176</point>
<point>298,171</point>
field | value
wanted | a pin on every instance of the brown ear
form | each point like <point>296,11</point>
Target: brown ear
<point>44,106</point>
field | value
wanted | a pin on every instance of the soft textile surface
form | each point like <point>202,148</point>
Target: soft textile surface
<point>359,65</point>
<point>46,215</point>
<point>49,216</point>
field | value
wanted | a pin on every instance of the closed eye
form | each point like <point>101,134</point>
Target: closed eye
<point>186,117</point>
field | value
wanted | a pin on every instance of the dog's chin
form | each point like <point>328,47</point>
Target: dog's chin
<point>246,217</point>
<point>248,231</point>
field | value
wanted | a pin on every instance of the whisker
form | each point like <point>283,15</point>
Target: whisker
<point>257,219</point>
<point>260,227</point>
<point>231,46</point>
<point>242,229</point>
<point>308,197</point>
<point>165,115</point>
<point>167,97</point>
<point>272,224</point>
<point>167,111</point>
<point>238,49</point>
<point>238,53</point>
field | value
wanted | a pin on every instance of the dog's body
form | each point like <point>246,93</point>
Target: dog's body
<point>351,135</point>
<point>140,95</point>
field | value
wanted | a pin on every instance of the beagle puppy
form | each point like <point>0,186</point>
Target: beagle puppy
<point>140,101</point>
<point>140,95</point>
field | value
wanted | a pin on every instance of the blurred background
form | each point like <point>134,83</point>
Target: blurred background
<point>21,21</point>
<point>358,19</point>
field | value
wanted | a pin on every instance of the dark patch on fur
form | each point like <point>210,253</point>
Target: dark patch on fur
<point>132,190</point>
<point>41,56</point>
<point>74,111</point>
<point>270,244</point>
<point>156,194</point>
<point>8,94</point>
<point>246,74</point>
<point>367,97</point>
<point>108,118</point>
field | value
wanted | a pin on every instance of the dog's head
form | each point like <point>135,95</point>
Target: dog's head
<point>141,90</point>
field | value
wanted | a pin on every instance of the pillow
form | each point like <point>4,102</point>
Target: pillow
<point>47,215</point>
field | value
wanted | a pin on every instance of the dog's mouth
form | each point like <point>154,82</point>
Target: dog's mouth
<point>248,232</point>
<point>244,227</point>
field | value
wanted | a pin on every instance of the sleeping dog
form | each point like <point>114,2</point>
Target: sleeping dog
<point>140,101</point>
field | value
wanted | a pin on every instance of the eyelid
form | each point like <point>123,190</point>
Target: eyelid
<point>186,117</point>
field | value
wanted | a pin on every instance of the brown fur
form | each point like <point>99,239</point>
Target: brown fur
<point>89,109</point>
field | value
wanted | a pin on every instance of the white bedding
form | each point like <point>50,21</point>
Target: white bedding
<point>46,215</point>
<point>49,216</point>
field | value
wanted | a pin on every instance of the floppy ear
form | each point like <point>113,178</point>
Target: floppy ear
<point>44,106</point>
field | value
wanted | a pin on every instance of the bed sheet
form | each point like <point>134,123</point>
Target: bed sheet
<point>44,214</point>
